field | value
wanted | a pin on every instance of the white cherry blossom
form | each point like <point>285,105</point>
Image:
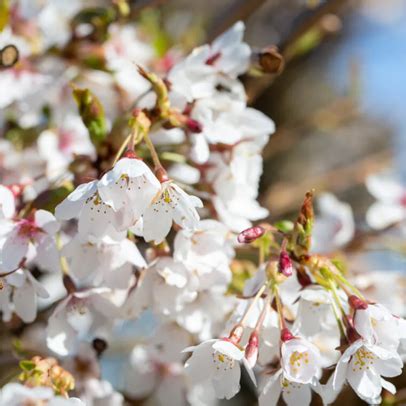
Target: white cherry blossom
<point>107,264</point>
<point>293,393</point>
<point>19,292</point>
<point>38,232</point>
<point>80,315</point>
<point>377,325</point>
<point>315,313</point>
<point>171,204</point>
<point>207,252</point>
<point>390,193</point>
<point>301,361</point>
<point>334,227</point>
<point>165,286</point>
<point>129,189</point>
<point>363,365</point>
<point>216,363</point>
<point>16,394</point>
<point>96,219</point>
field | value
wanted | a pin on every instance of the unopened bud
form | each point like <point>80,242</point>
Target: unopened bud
<point>193,125</point>
<point>286,335</point>
<point>16,189</point>
<point>250,234</point>
<point>303,278</point>
<point>356,303</point>
<point>236,334</point>
<point>251,351</point>
<point>271,61</point>
<point>285,265</point>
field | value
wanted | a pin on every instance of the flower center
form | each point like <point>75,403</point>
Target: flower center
<point>222,361</point>
<point>27,228</point>
<point>363,359</point>
<point>297,359</point>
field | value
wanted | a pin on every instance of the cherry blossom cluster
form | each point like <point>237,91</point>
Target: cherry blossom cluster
<point>134,201</point>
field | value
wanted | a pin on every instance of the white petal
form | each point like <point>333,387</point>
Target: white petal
<point>381,215</point>
<point>25,302</point>
<point>229,349</point>
<point>71,206</point>
<point>46,221</point>
<point>7,203</point>
<point>14,249</point>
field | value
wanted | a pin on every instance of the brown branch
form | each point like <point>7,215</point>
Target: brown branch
<point>240,10</point>
<point>256,86</point>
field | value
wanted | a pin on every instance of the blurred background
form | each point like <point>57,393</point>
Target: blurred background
<point>337,101</point>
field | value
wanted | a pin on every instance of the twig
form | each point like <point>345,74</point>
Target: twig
<point>240,10</point>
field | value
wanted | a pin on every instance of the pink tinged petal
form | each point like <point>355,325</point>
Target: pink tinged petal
<point>271,391</point>
<point>14,250</point>
<point>7,203</point>
<point>71,206</point>
<point>47,256</point>
<point>25,302</point>
<point>46,221</point>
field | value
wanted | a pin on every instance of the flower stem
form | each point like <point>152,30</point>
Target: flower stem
<point>252,304</point>
<point>122,148</point>
<point>261,317</point>
<point>152,150</point>
<point>279,308</point>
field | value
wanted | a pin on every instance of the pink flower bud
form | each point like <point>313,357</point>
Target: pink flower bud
<point>250,234</point>
<point>286,335</point>
<point>356,303</point>
<point>193,125</point>
<point>16,189</point>
<point>251,351</point>
<point>285,264</point>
